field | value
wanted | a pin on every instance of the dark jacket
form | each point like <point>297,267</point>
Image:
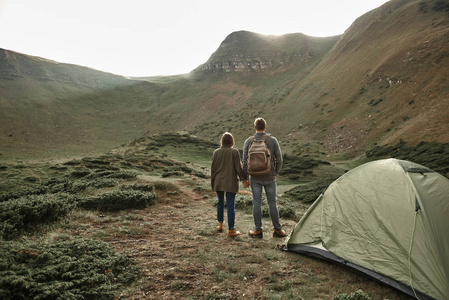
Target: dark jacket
<point>226,167</point>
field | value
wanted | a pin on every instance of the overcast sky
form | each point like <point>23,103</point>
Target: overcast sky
<point>163,37</point>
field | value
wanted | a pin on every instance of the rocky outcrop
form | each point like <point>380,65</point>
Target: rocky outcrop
<point>241,63</point>
<point>245,51</point>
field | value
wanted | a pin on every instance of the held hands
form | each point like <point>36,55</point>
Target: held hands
<point>245,183</point>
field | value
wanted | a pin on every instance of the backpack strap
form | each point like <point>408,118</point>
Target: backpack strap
<point>264,138</point>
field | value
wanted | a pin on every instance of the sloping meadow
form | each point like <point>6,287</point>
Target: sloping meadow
<point>39,198</point>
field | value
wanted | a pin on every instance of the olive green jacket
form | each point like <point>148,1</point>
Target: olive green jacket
<point>226,169</point>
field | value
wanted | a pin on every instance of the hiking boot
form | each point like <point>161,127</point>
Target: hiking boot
<point>220,227</point>
<point>233,233</point>
<point>279,233</point>
<point>256,234</point>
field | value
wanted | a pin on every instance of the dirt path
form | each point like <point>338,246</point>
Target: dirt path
<point>183,255</point>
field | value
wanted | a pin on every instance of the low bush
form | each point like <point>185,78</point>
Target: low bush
<point>19,215</point>
<point>39,190</point>
<point>175,138</point>
<point>138,187</point>
<point>298,164</point>
<point>242,202</point>
<point>432,155</point>
<point>113,174</point>
<point>199,174</point>
<point>287,212</point>
<point>308,193</point>
<point>76,269</point>
<point>55,185</point>
<point>84,183</point>
<point>118,200</point>
<point>80,173</point>
<point>167,187</point>
<point>172,173</point>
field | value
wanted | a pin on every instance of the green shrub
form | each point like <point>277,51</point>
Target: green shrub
<point>39,190</point>
<point>112,174</point>
<point>72,162</point>
<point>166,187</point>
<point>84,183</point>
<point>123,175</point>
<point>22,214</point>
<point>55,185</point>
<point>138,187</point>
<point>78,269</point>
<point>432,155</point>
<point>103,183</point>
<point>172,173</point>
<point>80,173</point>
<point>119,200</point>
<point>297,164</point>
<point>287,211</point>
<point>97,161</point>
<point>308,193</point>
<point>175,138</point>
<point>242,202</point>
<point>199,174</point>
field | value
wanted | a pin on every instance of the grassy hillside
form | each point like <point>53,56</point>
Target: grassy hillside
<point>52,110</point>
<point>385,80</point>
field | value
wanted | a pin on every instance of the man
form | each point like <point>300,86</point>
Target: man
<point>268,182</point>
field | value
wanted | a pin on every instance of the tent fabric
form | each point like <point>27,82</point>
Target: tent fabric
<point>389,219</point>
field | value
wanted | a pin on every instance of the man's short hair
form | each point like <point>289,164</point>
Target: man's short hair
<point>227,140</point>
<point>260,124</point>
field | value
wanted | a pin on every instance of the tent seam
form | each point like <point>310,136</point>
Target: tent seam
<point>321,222</point>
<point>410,255</point>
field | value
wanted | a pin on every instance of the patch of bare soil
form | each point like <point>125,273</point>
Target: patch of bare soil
<point>345,136</point>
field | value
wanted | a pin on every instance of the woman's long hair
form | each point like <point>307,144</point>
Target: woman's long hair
<point>227,140</point>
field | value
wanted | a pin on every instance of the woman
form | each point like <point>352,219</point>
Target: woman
<point>226,167</point>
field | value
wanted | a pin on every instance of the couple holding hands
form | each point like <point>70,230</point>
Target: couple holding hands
<point>227,169</point>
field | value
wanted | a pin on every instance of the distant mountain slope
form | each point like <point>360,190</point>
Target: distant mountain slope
<point>14,65</point>
<point>50,109</point>
<point>385,79</point>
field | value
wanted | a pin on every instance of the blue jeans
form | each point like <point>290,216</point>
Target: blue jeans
<point>230,197</point>
<point>270,191</point>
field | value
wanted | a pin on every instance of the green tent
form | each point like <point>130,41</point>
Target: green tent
<point>388,219</point>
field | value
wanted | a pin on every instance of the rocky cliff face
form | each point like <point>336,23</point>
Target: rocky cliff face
<point>244,51</point>
<point>241,63</point>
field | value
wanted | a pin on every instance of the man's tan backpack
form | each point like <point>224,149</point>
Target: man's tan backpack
<point>259,157</point>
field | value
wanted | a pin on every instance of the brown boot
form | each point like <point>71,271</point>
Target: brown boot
<point>220,227</point>
<point>233,233</point>
<point>256,234</point>
<point>279,233</point>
